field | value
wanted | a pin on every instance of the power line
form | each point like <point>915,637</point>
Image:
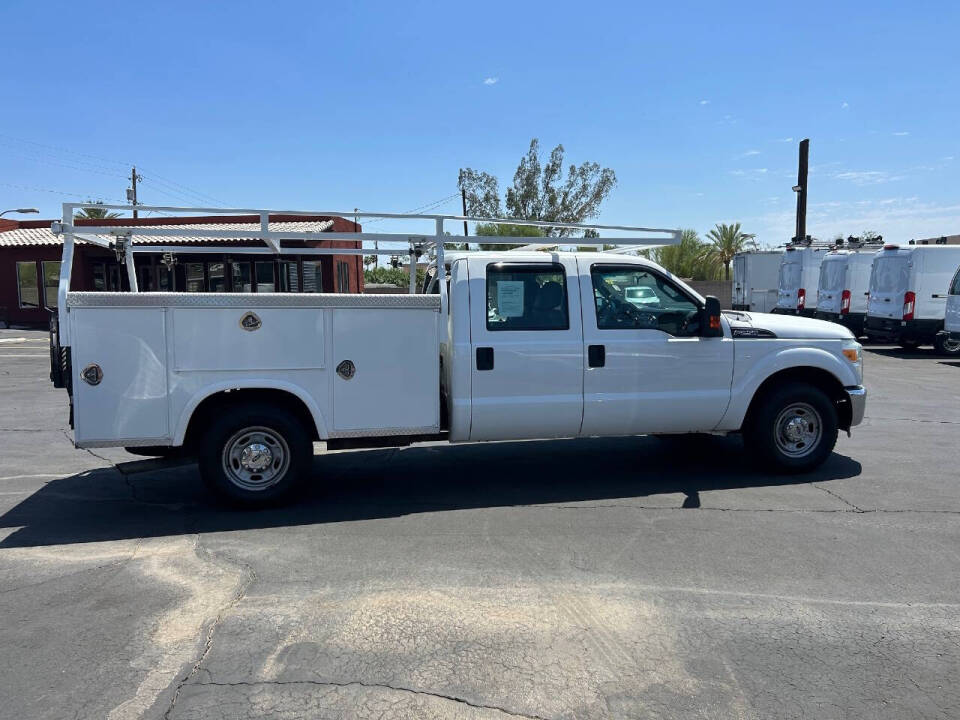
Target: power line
<point>428,206</point>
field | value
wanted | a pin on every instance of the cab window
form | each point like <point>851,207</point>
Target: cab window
<point>630,297</point>
<point>527,297</point>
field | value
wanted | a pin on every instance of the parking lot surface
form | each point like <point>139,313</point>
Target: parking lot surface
<point>635,577</point>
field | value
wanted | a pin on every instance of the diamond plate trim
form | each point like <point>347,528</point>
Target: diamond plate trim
<point>384,432</point>
<point>251,300</point>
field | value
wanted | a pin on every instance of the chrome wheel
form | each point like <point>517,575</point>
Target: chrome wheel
<point>255,458</point>
<point>798,429</point>
<point>951,346</point>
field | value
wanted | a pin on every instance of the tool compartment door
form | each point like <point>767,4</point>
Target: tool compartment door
<point>385,371</point>
<point>129,403</point>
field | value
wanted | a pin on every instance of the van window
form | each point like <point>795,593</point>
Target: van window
<point>955,285</point>
<point>629,297</point>
<point>790,275</point>
<point>832,274</point>
<point>890,274</point>
<point>527,297</point>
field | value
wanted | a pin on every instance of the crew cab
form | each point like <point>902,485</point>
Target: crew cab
<point>507,345</point>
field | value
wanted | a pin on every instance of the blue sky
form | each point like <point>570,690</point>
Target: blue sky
<point>698,107</point>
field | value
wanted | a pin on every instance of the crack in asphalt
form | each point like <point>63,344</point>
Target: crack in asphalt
<point>381,686</point>
<point>251,577</point>
<point>837,496</point>
<point>917,420</point>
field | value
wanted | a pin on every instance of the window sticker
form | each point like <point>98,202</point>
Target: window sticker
<point>510,298</point>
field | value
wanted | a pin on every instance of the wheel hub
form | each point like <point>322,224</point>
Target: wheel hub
<point>798,430</point>
<point>256,457</point>
<point>795,429</point>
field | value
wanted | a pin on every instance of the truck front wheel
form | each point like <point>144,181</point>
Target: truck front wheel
<point>792,428</point>
<point>254,455</point>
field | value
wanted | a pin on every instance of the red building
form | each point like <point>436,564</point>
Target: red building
<point>30,262</point>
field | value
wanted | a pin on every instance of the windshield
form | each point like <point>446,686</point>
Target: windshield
<point>789,275</point>
<point>889,275</point>
<point>832,274</point>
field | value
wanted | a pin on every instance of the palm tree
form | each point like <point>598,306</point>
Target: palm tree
<point>95,213</point>
<point>727,241</point>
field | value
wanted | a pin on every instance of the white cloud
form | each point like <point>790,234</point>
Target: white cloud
<point>948,158</point>
<point>844,105</point>
<point>898,219</point>
<point>901,133</point>
<point>704,102</point>
<point>491,81</point>
<point>789,139</point>
<point>748,153</point>
<point>866,177</point>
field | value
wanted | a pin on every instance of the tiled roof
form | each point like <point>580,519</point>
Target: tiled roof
<point>44,236</point>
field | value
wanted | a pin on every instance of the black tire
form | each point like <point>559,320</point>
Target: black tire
<point>780,428</point>
<point>254,455</point>
<point>943,345</point>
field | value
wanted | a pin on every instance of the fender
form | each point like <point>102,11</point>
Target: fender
<point>745,387</point>
<point>249,384</point>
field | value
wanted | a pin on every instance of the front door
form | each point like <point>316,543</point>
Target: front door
<point>648,370</point>
<point>527,349</point>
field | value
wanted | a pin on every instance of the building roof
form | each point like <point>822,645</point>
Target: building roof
<point>37,232</point>
<point>34,233</point>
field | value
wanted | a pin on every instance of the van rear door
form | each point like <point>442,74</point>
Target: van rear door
<point>791,270</point>
<point>833,273</point>
<point>888,283</point>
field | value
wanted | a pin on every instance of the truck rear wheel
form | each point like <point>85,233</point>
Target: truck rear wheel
<point>254,455</point>
<point>792,428</point>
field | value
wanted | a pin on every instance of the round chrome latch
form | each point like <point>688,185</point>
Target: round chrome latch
<point>92,374</point>
<point>346,369</point>
<point>250,322</point>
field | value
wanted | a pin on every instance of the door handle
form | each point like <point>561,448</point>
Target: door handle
<point>596,355</point>
<point>484,358</point>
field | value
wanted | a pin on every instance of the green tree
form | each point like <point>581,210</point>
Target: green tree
<point>540,191</point>
<point>687,259</point>
<point>725,242</point>
<point>95,213</point>
<point>495,229</point>
<point>369,261</point>
<point>392,276</point>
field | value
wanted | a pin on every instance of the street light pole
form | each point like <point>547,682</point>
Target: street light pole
<point>20,210</point>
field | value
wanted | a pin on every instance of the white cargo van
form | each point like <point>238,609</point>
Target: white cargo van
<point>908,295</point>
<point>799,278</point>
<point>511,345</point>
<point>844,285</point>
<point>755,280</point>
<point>951,320</point>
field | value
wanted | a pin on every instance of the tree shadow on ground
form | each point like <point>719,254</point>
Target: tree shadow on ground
<point>149,499</point>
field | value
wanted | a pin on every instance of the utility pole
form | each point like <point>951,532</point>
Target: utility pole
<point>463,195</point>
<point>801,189</point>
<point>132,191</point>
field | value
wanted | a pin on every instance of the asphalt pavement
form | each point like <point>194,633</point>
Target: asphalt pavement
<point>624,578</point>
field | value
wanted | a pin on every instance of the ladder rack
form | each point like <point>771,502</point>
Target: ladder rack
<point>120,237</point>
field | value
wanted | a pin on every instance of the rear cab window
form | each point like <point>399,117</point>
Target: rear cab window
<point>527,296</point>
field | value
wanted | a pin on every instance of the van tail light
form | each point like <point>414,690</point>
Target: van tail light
<point>801,298</point>
<point>845,302</point>
<point>909,301</point>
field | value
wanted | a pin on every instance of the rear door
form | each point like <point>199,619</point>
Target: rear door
<point>888,283</point>
<point>527,349</point>
<point>833,275</point>
<point>789,280</point>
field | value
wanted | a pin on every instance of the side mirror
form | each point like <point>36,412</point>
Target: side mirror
<point>710,325</point>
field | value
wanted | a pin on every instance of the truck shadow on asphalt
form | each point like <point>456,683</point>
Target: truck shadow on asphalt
<point>150,499</point>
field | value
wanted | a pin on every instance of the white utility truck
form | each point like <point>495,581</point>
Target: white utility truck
<point>519,344</point>
<point>844,284</point>
<point>908,295</point>
<point>951,320</point>
<point>799,278</point>
<point>755,280</point>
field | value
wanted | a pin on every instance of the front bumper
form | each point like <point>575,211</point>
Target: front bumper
<point>858,403</point>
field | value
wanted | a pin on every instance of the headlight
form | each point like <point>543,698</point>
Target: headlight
<point>853,352</point>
